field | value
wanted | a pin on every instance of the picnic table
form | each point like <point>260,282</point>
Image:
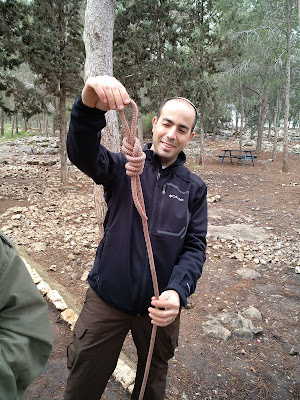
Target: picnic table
<point>239,154</point>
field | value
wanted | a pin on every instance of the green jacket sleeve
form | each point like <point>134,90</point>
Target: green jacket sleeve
<point>25,334</point>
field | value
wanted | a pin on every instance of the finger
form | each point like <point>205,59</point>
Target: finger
<point>116,94</point>
<point>121,96</point>
<point>162,321</point>
<point>96,85</point>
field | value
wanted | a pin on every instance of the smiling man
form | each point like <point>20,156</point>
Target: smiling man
<point>173,129</point>
<point>120,298</point>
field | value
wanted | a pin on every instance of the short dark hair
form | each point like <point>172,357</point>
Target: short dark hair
<point>179,98</point>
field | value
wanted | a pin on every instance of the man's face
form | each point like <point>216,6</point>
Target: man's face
<point>173,130</point>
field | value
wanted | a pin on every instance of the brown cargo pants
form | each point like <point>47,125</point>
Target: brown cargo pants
<point>98,339</point>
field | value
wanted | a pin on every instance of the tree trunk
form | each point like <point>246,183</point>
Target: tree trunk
<point>140,129</point>
<point>215,131</point>
<point>285,166</point>
<point>2,122</point>
<point>236,125</point>
<point>17,123</point>
<point>270,125</point>
<point>242,116</point>
<point>12,125</point>
<point>46,123</point>
<point>201,158</point>
<point>276,119</point>
<point>63,133</point>
<point>62,99</point>
<point>261,120</point>
<point>54,103</point>
<point>98,40</point>
<point>39,125</point>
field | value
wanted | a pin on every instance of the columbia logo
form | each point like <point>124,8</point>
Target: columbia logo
<point>173,196</point>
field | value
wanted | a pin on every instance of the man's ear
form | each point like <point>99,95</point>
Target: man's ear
<point>154,122</point>
<point>191,136</point>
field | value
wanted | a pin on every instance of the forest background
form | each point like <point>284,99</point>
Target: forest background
<point>237,61</point>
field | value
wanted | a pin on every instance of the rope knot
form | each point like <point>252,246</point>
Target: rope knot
<point>135,157</point>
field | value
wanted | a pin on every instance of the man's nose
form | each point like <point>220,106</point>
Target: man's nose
<point>172,133</point>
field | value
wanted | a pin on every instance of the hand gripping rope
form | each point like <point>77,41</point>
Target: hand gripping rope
<point>136,160</point>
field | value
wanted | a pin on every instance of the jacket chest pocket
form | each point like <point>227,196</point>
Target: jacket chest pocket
<point>174,213</point>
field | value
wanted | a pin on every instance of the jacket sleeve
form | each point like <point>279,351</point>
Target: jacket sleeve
<point>190,264</point>
<point>25,333</point>
<point>83,144</point>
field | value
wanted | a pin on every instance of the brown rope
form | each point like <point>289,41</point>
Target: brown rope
<point>136,160</point>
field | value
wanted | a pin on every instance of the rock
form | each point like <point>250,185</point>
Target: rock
<point>39,246</point>
<point>216,330</point>
<point>84,276</point>
<point>34,275</point>
<point>70,317</point>
<point>124,374</point>
<point>243,333</point>
<point>248,273</point>
<point>44,288</point>
<point>253,312</point>
<point>55,298</point>
<point>238,256</point>
<point>294,351</point>
<point>297,270</point>
<point>237,232</point>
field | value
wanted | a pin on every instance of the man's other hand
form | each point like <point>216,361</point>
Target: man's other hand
<point>166,308</point>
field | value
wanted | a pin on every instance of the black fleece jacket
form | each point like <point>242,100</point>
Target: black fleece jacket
<point>176,207</point>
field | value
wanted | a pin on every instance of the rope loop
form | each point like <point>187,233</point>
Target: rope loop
<point>135,157</point>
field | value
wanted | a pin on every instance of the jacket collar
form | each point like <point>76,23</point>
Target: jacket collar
<point>153,158</point>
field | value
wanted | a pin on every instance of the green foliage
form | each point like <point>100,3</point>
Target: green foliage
<point>53,45</point>
<point>206,50</point>
<point>12,14</point>
<point>21,134</point>
<point>146,39</point>
<point>147,125</point>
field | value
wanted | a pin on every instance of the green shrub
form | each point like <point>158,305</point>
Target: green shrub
<point>147,125</point>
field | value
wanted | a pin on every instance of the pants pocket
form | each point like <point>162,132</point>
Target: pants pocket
<point>79,331</point>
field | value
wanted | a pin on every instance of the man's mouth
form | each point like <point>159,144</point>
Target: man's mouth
<point>168,145</point>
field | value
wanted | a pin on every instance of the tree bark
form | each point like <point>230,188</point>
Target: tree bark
<point>12,125</point>
<point>261,120</point>
<point>2,122</point>
<point>140,129</point>
<point>54,115</point>
<point>17,123</point>
<point>46,123</point>
<point>62,99</point>
<point>270,125</point>
<point>63,134</point>
<point>276,119</point>
<point>285,166</point>
<point>242,116</point>
<point>201,158</point>
<point>98,40</point>
<point>236,125</point>
<point>215,131</point>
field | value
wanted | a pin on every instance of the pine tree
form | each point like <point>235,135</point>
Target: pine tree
<point>54,49</point>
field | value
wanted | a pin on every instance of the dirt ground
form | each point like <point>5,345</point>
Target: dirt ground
<point>203,367</point>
